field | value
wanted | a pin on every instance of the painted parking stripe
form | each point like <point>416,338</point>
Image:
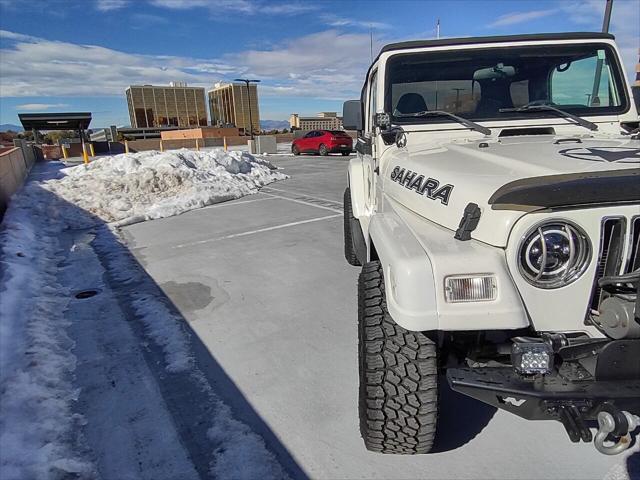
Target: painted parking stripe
<point>260,230</point>
<point>296,200</point>
<point>293,192</point>
<point>240,202</point>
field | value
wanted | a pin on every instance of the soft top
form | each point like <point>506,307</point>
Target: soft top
<point>443,42</point>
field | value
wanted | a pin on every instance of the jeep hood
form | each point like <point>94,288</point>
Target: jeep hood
<point>508,177</point>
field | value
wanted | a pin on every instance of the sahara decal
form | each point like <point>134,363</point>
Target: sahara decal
<point>430,187</point>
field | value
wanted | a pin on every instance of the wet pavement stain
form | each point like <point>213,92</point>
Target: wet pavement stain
<point>193,296</point>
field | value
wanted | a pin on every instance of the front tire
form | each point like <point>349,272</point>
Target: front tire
<point>398,404</point>
<point>295,150</point>
<point>323,150</point>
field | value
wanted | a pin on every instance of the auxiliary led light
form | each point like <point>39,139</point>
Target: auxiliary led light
<point>532,358</point>
<point>476,288</point>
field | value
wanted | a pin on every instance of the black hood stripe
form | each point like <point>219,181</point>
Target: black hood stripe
<point>569,190</point>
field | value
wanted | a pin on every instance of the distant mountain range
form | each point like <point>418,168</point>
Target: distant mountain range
<point>273,124</point>
<point>15,128</point>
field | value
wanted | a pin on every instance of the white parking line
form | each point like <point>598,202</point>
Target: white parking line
<point>302,201</point>
<point>260,230</point>
<point>234,202</point>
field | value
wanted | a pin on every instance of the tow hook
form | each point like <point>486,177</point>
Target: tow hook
<point>618,424</point>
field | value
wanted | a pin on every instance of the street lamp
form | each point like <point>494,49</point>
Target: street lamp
<point>247,82</point>
<point>458,90</point>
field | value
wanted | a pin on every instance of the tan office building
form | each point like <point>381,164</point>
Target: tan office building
<point>200,133</point>
<point>176,105</point>
<point>229,104</point>
<point>323,121</point>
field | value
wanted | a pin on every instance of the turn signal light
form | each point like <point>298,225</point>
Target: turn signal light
<point>476,288</point>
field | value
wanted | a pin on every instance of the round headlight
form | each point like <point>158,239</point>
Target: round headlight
<point>553,254</point>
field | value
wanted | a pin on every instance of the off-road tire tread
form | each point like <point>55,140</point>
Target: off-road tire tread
<point>349,251</point>
<point>398,375</point>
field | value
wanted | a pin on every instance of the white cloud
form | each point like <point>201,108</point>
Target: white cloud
<point>108,5</point>
<point>7,35</point>
<point>625,24</point>
<point>250,7</point>
<point>520,17</point>
<point>328,65</point>
<point>237,5</point>
<point>363,24</point>
<point>33,107</point>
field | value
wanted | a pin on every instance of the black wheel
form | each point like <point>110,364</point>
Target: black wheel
<point>349,251</point>
<point>323,150</point>
<point>398,375</point>
<point>295,150</point>
<point>344,154</point>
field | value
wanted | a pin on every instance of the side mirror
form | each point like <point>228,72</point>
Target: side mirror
<point>352,115</point>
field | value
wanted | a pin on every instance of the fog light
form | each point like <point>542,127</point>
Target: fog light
<point>532,358</point>
<point>477,288</point>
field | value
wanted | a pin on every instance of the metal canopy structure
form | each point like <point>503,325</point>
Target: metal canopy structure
<point>78,121</point>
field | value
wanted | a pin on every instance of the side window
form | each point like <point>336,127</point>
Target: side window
<point>310,134</point>
<point>372,107</point>
<point>574,83</point>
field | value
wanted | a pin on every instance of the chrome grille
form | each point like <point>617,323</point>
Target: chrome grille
<point>634,246</point>
<point>619,245</point>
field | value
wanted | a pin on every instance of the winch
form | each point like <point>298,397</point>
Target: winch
<point>619,311</point>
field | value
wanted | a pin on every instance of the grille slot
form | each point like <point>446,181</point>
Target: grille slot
<point>610,260</point>
<point>634,246</point>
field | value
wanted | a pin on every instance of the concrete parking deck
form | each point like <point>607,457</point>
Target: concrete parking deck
<point>263,282</point>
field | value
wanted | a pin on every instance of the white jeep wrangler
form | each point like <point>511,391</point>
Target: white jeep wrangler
<point>494,206</point>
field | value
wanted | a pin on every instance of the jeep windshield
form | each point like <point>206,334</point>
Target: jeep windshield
<point>493,83</point>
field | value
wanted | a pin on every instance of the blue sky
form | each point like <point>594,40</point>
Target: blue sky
<point>66,55</point>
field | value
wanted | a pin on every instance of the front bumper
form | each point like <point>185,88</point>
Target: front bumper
<point>571,394</point>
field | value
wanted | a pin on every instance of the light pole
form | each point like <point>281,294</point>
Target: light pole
<point>247,82</point>
<point>458,90</point>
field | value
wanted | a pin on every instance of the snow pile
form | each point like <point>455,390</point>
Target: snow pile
<point>134,187</point>
<point>39,433</point>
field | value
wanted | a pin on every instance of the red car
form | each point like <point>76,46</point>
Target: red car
<point>323,142</point>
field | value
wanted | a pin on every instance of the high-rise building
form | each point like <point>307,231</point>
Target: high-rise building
<point>231,104</point>
<point>323,121</point>
<point>176,105</point>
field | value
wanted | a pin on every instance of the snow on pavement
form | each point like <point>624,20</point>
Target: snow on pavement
<point>42,433</point>
<point>134,187</point>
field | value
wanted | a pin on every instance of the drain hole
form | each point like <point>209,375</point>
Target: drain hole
<point>86,294</point>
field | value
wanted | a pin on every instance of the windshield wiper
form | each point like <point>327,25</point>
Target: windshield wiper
<point>545,107</point>
<point>439,113</point>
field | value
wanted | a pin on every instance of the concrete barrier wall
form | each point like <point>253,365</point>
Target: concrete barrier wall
<point>154,143</point>
<point>14,169</point>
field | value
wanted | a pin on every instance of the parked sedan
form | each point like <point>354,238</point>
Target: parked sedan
<point>323,142</point>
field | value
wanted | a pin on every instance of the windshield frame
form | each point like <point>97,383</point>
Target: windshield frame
<point>617,75</point>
